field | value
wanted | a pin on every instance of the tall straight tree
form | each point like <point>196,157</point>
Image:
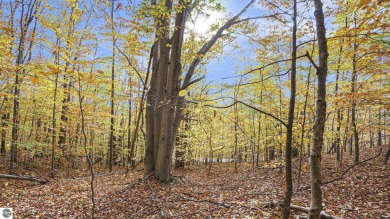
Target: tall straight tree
<point>353,92</point>
<point>319,123</point>
<point>112,119</point>
<point>290,123</point>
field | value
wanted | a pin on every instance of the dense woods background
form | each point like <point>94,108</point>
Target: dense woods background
<point>111,86</point>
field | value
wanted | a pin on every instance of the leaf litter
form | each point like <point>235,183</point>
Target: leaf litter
<point>196,192</point>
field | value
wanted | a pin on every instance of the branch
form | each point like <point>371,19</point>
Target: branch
<point>28,178</point>
<point>247,105</point>
<point>264,66</point>
<point>323,215</point>
<point>254,18</point>
<point>341,36</point>
<point>207,46</point>
<point>350,167</point>
<point>131,65</point>
<point>261,111</point>
<point>256,82</point>
<point>311,60</point>
<point>192,82</point>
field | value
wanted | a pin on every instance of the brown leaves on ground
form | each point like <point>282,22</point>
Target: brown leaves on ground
<point>198,193</point>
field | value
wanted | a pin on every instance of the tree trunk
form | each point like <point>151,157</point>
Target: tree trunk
<point>53,142</point>
<point>319,123</point>
<point>379,129</point>
<point>353,91</point>
<point>338,129</point>
<point>4,123</point>
<point>112,112</point>
<point>289,186</point>
<point>387,157</point>
<point>167,134</point>
<point>149,114</point>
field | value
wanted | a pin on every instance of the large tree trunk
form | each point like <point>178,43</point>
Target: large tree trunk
<point>319,123</point>
<point>167,134</point>
<point>161,101</point>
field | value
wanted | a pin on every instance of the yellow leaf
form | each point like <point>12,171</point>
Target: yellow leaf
<point>182,93</point>
<point>70,71</point>
<point>100,71</point>
<point>34,79</point>
<point>54,70</point>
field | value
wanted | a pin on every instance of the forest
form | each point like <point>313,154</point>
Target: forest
<point>195,109</point>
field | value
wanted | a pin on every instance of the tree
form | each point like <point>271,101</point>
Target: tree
<point>319,123</point>
<point>290,122</point>
<point>165,85</point>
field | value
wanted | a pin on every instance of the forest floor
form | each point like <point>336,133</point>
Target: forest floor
<point>200,192</point>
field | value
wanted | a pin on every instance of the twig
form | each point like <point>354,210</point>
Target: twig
<point>150,187</point>
<point>130,184</point>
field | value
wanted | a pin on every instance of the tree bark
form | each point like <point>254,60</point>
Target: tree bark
<point>319,123</point>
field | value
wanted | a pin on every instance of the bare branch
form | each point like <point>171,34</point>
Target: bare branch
<point>192,82</point>
<point>311,60</point>
<point>207,46</point>
<point>245,104</point>
<point>254,18</point>
<point>131,65</point>
<point>264,66</point>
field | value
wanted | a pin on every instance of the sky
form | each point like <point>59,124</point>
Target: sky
<point>232,61</point>
<point>229,64</point>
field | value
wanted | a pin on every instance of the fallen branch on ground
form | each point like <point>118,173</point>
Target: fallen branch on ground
<point>273,204</point>
<point>352,166</point>
<point>28,178</point>
<point>346,170</point>
<point>201,200</point>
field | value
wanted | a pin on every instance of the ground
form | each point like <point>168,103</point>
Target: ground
<point>199,192</point>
